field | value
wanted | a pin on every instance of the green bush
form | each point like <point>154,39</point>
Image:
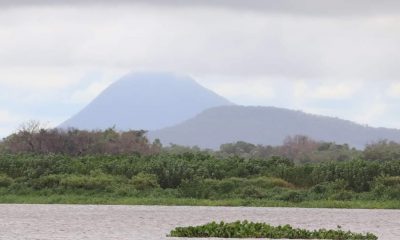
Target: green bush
<point>5,181</point>
<point>95,181</point>
<point>200,175</point>
<point>292,196</point>
<point>389,181</point>
<point>49,181</point>
<point>269,182</point>
<point>387,187</point>
<point>145,181</point>
<point>252,192</point>
<point>232,187</point>
<point>320,188</point>
<point>247,229</point>
<point>100,182</point>
<point>342,196</point>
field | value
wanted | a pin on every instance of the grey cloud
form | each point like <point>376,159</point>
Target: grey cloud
<point>302,7</point>
<point>202,42</point>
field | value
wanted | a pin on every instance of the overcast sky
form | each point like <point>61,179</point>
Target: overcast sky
<point>335,58</point>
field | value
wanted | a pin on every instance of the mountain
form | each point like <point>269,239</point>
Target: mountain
<point>146,101</point>
<point>267,126</point>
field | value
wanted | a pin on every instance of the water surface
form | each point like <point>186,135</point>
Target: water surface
<point>98,222</point>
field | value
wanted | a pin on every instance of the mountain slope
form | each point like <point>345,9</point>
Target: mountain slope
<point>146,101</point>
<point>268,126</point>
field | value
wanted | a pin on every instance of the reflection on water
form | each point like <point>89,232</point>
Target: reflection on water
<point>78,222</point>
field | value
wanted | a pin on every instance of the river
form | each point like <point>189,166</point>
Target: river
<point>98,222</point>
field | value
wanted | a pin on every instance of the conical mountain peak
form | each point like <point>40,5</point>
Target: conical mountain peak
<point>146,100</point>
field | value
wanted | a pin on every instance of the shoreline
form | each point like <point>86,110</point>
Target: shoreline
<point>109,200</point>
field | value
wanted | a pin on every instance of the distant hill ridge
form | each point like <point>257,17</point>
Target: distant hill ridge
<point>176,109</point>
<point>267,126</point>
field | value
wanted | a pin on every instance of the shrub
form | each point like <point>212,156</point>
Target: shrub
<point>232,187</point>
<point>390,181</point>
<point>5,180</point>
<point>292,196</point>
<point>247,229</point>
<point>319,188</point>
<point>49,181</point>
<point>252,192</point>
<point>144,181</point>
<point>99,182</point>
<point>387,187</point>
<point>269,182</point>
<point>342,196</point>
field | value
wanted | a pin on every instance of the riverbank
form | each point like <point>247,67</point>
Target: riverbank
<point>108,200</point>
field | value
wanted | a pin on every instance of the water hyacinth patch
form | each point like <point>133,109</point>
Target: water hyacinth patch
<point>247,229</point>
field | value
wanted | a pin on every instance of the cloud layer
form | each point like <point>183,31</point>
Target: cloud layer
<point>339,58</point>
<point>303,7</point>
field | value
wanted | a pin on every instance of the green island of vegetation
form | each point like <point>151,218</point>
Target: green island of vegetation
<point>247,229</point>
<point>109,167</point>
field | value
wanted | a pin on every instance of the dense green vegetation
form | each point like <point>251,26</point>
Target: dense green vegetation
<point>200,176</point>
<point>112,167</point>
<point>247,229</point>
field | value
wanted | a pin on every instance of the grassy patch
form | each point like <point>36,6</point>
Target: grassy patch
<point>113,200</point>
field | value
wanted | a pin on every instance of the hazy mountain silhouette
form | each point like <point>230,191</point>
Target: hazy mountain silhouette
<point>268,126</point>
<point>146,101</point>
<point>180,111</point>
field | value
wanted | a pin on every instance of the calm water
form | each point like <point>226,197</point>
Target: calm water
<point>78,222</point>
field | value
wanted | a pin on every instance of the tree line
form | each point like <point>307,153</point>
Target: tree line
<point>32,138</point>
<point>42,161</point>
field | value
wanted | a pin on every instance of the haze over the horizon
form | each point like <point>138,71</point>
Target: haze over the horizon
<point>335,58</point>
